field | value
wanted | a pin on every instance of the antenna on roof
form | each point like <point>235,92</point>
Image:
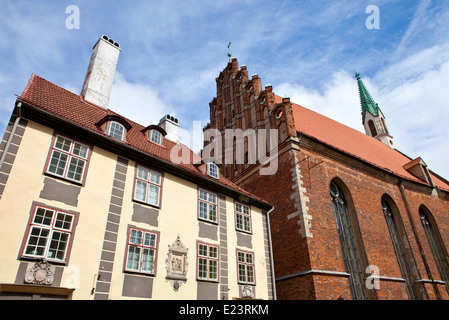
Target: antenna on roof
<point>229,53</point>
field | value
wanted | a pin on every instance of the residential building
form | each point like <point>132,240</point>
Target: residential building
<point>96,206</point>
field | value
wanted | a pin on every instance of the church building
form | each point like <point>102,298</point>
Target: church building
<point>354,218</point>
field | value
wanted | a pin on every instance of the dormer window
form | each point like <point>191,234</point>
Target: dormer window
<point>155,136</point>
<point>212,170</point>
<point>116,130</point>
<point>114,126</point>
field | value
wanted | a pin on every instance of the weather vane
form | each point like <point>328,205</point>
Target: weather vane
<point>229,53</point>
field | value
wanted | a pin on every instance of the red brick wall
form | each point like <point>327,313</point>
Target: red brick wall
<point>294,253</point>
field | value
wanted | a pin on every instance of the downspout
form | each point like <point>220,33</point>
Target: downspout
<point>273,278</point>
<point>421,251</point>
<point>11,134</point>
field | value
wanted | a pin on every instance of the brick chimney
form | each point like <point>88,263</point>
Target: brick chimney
<point>100,73</point>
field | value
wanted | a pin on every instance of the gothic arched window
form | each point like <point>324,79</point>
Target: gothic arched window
<point>348,242</point>
<point>438,249</point>
<point>398,244</point>
<point>372,128</point>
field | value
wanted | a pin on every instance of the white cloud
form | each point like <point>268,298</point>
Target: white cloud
<point>138,102</point>
<point>339,100</point>
<point>416,108</point>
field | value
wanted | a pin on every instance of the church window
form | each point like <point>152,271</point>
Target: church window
<point>399,246</point>
<point>348,242</point>
<point>438,250</point>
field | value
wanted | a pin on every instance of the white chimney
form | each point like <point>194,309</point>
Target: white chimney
<point>171,126</point>
<point>100,74</point>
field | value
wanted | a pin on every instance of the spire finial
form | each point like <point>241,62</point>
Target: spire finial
<point>229,53</point>
<point>357,76</point>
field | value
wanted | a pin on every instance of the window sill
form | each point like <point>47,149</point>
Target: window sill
<point>72,182</point>
<point>147,204</point>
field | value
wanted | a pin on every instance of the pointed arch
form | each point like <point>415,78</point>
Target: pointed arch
<point>400,244</point>
<point>436,243</point>
<point>350,238</point>
<point>372,128</point>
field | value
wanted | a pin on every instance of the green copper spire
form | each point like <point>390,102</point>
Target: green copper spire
<point>366,101</point>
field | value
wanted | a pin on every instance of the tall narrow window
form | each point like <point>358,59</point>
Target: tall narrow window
<point>438,250</point>
<point>348,243</point>
<point>399,248</point>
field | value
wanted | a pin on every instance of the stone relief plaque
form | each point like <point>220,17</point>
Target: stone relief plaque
<point>40,272</point>
<point>176,264</point>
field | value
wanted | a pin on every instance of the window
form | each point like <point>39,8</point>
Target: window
<point>438,250</point>
<point>348,242</point>
<point>141,251</point>
<point>207,206</point>
<point>156,137</point>
<point>372,128</point>
<point>242,217</point>
<point>147,187</point>
<point>245,266</point>
<point>68,159</point>
<point>207,262</point>
<point>116,130</point>
<point>212,170</point>
<point>399,247</point>
<point>49,234</point>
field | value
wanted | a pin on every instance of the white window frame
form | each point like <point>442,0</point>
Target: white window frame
<point>45,232</point>
<point>140,244</point>
<point>156,137</point>
<point>74,154</point>
<point>246,273</point>
<point>208,201</point>
<point>242,218</point>
<point>208,260</point>
<point>113,130</point>
<point>148,183</point>
<point>212,170</point>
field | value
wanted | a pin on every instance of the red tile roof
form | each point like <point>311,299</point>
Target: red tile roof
<point>47,96</point>
<point>354,143</point>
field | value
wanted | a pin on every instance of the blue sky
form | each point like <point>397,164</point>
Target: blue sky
<point>173,50</point>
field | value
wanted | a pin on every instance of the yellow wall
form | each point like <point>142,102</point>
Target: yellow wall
<point>177,216</point>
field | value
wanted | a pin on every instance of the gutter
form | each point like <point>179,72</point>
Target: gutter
<point>273,277</point>
<point>11,134</point>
